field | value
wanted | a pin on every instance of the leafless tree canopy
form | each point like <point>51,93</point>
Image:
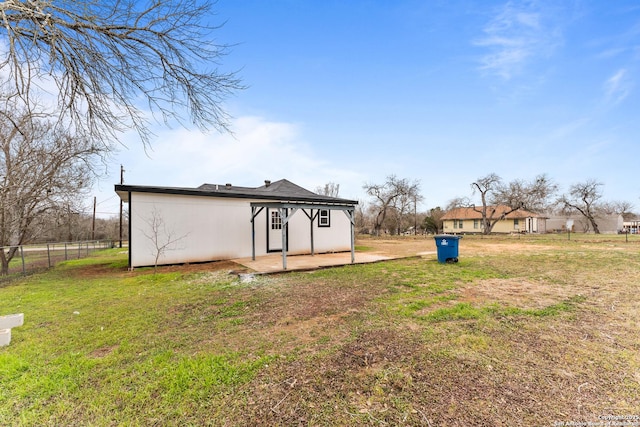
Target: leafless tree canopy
<point>584,197</point>
<point>532,196</point>
<point>110,60</point>
<point>396,195</point>
<point>329,189</point>
<point>41,168</point>
<point>619,207</point>
<point>515,195</point>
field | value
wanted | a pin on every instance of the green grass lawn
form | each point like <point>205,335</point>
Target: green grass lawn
<point>544,334</point>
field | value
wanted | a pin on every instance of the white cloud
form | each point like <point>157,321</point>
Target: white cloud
<point>259,149</point>
<point>518,34</point>
<point>617,87</point>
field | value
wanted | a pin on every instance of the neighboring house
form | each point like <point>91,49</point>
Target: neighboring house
<point>215,222</point>
<point>468,220</point>
<point>631,225</point>
<point>577,223</point>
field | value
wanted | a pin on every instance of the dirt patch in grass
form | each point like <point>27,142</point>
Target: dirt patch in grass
<point>100,270</point>
<point>516,292</point>
<point>292,312</point>
<point>103,352</point>
<point>391,376</point>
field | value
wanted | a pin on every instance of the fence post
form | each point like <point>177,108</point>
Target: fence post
<point>49,255</point>
<point>65,251</point>
<point>24,270</point>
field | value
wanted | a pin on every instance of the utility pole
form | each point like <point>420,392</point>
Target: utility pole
<point>121,182</point>
<point>415,215</point>
<point>93,223</point>
<point>70,235</point>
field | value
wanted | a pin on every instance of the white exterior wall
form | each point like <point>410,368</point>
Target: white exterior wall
<point>204,228</point>
<point>215,228</point>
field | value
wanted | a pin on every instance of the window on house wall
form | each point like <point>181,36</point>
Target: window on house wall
<point>276,220</point>
<point>516,224</point>
<point>476,224</point>
<point>324,218</point>
<point>460,225</point>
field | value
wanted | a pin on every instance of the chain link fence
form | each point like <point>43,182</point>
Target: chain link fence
<point>33,258</point>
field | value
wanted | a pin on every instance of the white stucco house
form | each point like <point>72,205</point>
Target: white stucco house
<point>576,223</point>
<point>216,222</point>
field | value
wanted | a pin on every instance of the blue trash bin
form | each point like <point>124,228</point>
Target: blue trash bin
<point>447,246</point>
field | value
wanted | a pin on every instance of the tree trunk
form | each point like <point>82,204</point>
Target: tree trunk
<point>5,259</point>
<point>5,264</point>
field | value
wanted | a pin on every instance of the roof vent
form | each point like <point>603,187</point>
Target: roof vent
<point>267,183</point>
<point>228,185</point>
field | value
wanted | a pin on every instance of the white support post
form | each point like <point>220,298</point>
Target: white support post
<point>285,220</point>
<point>350,213</point>
<point>254,214</point>
<point>285,215</point>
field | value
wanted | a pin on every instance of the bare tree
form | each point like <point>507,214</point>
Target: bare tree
<point>583,197</point>
<point>619,207</point>
<point>533,196</point>
<point>361,217</point>
<point>329,189</point>
<point>41,168</point>
<point>109,60</point>
<point>162,238</point>
<point>497,200</point>
<point>395,194</point>
<point>406,203</point>
<point>488,187</point>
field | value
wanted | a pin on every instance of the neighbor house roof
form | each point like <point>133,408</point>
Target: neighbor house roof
<point>471,213</point>
<point>282,190</point>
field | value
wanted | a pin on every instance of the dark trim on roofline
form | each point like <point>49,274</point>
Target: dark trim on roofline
<point>128,189</point>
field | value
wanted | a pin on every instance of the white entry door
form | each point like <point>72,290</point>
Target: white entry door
<point>274,232</point>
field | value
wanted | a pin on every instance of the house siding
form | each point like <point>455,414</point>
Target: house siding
<point>502,226</point>
<point>607,224</point>
<point>515,222</point>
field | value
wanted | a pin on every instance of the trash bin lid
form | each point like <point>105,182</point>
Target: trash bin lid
<point>447,236</point>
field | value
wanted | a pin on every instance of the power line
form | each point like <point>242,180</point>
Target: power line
<point>110,198</point>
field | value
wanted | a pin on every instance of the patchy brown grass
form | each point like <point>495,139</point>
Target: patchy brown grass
<point>522,331</point>
<point>501,368</point>
<point>517,292</point>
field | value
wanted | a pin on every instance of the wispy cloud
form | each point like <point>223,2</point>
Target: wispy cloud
<point>617,87</point>
<point>518,34</point>
<point>567,130</point>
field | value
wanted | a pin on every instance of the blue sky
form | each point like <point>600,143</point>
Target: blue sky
<point>443,92</point>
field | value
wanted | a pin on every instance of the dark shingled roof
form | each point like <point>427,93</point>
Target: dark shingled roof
<point>282,190</point>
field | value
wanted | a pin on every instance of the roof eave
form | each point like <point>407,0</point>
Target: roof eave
<point>124,190</point>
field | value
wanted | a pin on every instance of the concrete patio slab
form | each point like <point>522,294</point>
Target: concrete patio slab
<point>273,263</point>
